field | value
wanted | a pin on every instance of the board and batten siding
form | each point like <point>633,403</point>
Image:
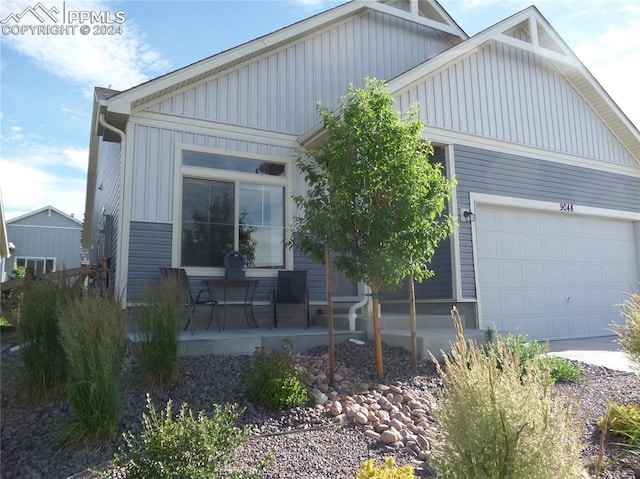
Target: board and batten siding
<point>54,237</point>
<point>509,94</point>
<point>279,91</point>
<point>496,173</point>
<point>153,165</point>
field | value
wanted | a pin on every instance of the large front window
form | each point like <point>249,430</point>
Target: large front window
<point>222,212</point>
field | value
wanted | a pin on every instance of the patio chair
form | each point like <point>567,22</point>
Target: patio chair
<point>291,289</point>
<point>203,298</point>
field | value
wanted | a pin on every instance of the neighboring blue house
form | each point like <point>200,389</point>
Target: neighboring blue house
<point>45,240</point>
<point>549,166</point>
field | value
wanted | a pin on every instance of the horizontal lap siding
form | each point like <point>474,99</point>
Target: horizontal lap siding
<point>508,94</point>
<point>484,171</point>
<point>279,91</point>
<point>150,248</point>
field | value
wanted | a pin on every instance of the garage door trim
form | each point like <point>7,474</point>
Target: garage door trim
<point>567,208</point>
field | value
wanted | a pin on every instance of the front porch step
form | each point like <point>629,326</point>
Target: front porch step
<point>434,340</point>
<point>388,321</point>
<point>245,341</point>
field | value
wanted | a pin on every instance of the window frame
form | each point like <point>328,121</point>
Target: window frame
<point>44,260</point>
<point>237,177</point>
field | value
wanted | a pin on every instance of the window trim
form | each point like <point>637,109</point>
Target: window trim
<point>180,172</point>
<point>44,259</point>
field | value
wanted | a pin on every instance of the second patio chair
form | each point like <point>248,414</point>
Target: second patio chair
<point>291,289</point>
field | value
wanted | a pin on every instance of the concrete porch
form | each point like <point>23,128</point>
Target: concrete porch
<point>435,333</point>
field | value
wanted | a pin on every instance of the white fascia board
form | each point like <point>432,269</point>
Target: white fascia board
<point>550,206</point>
<point>396,12</point>
<point>122,102</point>
<point>444,136</point>
<point>537,50</point>
<point>206,127</point>
<point>455,53</point>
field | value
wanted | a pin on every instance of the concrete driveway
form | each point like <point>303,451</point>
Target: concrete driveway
<point>602,351</point>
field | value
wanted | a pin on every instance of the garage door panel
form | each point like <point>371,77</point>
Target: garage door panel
<point>553,275</point>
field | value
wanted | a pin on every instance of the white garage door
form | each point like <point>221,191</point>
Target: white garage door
<point>553,275</point>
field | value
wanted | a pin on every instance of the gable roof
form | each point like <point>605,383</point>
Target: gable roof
<point>541,40</point>
<point>544,41</point>
<point>50,209</point>
<point>424,12</point>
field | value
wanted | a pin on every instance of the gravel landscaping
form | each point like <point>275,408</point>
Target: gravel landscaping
<point>320,441</point>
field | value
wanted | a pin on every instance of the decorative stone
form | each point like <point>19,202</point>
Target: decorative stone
<point>423,442</point>
<point>414,404</point>
<point>381,427</point>
<point>336,408</point>
<point>360,418</point>
<point>318,396</point>
<point>389,436</point>
<point>423,455</point>
<point>372,434</point>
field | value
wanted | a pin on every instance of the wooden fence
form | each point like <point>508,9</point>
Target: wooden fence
<point>82,279</point>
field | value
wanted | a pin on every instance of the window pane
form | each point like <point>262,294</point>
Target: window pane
<point>207,222</point>
<point>220,162</point>
<point>261,225</point>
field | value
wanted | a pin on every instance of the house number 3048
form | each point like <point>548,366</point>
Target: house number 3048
<point>566,207</point>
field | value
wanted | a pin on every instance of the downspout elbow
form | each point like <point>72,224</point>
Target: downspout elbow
<point>366,298</point>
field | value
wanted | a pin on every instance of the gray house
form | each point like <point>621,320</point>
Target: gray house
<point>548,166</point>
<point>45,240</point>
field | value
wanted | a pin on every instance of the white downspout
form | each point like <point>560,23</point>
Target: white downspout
<point>364,301</point>
<point>123,152</point>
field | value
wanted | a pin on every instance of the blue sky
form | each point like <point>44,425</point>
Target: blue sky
<point>46,81</point>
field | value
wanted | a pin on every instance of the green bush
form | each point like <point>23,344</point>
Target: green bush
<point>183,447</point>
<point>158,331</point>
<point>496,423</point>
<point>623,421</point>
<point>387,471</point>
<point>43,358</point>
<point>528,352</point>
<point>629,332</point>
<point>275,381</point>
<point>92,332</point>
<point>563,370</point>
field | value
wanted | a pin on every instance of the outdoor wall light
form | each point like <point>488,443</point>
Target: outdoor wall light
<point>466,216</point>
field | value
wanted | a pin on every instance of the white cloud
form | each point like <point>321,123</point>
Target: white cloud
<point>119,61</point>
<point>30,187</point>
<point>613,57</point>
<point>35,175</point>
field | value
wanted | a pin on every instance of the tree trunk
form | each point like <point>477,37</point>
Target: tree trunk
<point>412,322</point>
<point>329,283</point>
<point>376,330</point>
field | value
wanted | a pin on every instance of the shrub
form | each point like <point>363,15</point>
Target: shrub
<point>629,332</point>
<point>387,471</point>
<point>43,358</point>
<point>495,422</point>
<point>93,338</point>
<point>623,421</point>
<point>275,381</point>
<point>563,370</point>
<point>529,351</point>
<point>158,331</point>
<point>183,447</point>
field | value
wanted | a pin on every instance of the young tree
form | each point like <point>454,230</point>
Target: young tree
<point>373,196</point>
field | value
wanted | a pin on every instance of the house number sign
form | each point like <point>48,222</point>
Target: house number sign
<point>566,207</point>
